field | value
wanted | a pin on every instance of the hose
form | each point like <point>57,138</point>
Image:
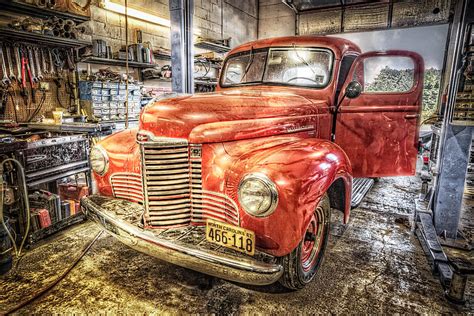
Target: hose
<point>59,279</point>
<point>26,201</point>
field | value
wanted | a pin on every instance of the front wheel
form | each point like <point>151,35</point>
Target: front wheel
<point>301,264</point>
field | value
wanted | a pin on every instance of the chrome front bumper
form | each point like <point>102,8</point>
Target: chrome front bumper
<point>184,247</point>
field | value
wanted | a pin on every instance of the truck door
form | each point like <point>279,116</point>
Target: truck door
<point>379,129</point>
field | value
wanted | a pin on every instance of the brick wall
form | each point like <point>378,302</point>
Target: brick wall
<point>275,19</point>
<point>212,18</point>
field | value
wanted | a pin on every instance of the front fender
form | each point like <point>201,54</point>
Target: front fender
<point>303,171</point>
<point>124,157</point>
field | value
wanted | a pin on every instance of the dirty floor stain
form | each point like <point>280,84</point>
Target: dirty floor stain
<point>373,265</point>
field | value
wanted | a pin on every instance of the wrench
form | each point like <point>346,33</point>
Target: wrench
<point>43,59</point>
<point>10,64</point>
<point>51,64</point>
<point>57,60</point>
<point>39,75</point>
<point>16,51</point>
<point>5,80</point>
<point>31,64</point>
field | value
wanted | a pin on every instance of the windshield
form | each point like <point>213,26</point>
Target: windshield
<point>308,67</point>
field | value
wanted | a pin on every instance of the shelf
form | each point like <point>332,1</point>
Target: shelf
<point>160,79</point>
<point>41,38</point>
<point>53,228</point>
<point>161,56</point>
<point>205,82</point>
<point>212,46</point>
<point>34,11</point>
<point>115,62</point>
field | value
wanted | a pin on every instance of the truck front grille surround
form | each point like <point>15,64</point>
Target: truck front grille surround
<point>172,186</point>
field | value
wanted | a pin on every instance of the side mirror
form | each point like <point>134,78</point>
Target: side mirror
<point>353,90</point>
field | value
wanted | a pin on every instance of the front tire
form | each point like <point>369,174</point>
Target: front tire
<point>300,266</point>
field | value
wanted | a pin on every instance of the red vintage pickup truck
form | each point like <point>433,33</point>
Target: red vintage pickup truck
<point>240,183</point>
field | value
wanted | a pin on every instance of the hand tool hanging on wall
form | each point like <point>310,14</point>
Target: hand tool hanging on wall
<point>3,102</point>
<point>70,60</point>
<point>5,80</point>
<point>51,63</point>
<point>43,61</point>
<point>10,64</point>
<point>39,74</point>
<point>31,65</point>
<point>58,62</point>
<point>27,71</point>
<point>16,52</point>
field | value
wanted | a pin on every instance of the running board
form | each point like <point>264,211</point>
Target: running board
<point>360,188</point>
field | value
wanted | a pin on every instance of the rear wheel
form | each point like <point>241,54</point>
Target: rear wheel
<point>301,264</point>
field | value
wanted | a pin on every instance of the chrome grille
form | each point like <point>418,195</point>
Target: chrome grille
<point>173,187</point>
<point>127,186</point>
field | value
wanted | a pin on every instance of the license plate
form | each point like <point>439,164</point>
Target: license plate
<point>231,236</point>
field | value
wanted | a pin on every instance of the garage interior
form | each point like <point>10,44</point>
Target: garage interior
<point>75,72</point>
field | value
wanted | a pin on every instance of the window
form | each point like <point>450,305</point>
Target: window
<point>245,68</point>
<point>346,64</point>
<point>386,74</point>
<point>308,67</point>
<point>299,67</point>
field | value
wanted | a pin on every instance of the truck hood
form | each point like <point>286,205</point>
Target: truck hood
<point>219,116</point>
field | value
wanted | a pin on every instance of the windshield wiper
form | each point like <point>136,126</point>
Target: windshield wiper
<point>248,65</point>
<point>304,61</point>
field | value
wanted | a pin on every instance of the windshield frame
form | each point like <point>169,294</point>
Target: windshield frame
<point>271,83</point>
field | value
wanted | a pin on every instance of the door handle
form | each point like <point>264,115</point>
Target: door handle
<point>412,116</point>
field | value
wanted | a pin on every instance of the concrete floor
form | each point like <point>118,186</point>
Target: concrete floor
<point>374,265</point>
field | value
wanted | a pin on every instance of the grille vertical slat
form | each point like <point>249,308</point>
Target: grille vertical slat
<point>173,187</point>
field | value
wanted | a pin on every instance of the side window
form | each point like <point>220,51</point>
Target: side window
<point>382,74</point>
<point>346,64</point>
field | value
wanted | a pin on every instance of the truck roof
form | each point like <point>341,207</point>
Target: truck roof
<point>339,46</point>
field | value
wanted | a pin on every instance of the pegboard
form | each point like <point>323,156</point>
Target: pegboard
<point>54,98</point>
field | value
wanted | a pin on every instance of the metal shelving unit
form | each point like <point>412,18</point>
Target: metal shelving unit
<point>115,62</point>
<point>218,48</point>
<point>47,40</point>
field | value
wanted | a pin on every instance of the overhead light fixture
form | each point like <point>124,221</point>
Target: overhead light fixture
<point>140,15</point>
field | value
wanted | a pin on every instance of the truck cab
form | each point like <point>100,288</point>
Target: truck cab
<point>240,183</point>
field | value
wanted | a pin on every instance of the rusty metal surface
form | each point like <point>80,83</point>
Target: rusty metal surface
<point>184,247</point>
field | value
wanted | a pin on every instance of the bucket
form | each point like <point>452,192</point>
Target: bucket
<point>6,259</point>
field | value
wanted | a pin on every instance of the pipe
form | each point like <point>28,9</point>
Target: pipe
<point>26,201</point>
<point>41,3</point>
<point>67,27</point>
<point>290,5</point>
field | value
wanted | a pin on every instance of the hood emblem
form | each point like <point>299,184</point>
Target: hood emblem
<point>195,151</point>
<point>293,129</point>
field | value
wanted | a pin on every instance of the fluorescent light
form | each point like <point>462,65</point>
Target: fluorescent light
<point>140,15</point>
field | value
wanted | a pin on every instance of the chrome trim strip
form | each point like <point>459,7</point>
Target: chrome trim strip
<point>230,267</point>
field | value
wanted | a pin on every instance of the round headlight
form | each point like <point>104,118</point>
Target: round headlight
<point>99,160</point>
<point>258,195</point>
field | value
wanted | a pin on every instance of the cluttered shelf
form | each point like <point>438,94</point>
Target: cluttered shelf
<point>115,62</point>
<point>48,40</point>
<point>34,11</point>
